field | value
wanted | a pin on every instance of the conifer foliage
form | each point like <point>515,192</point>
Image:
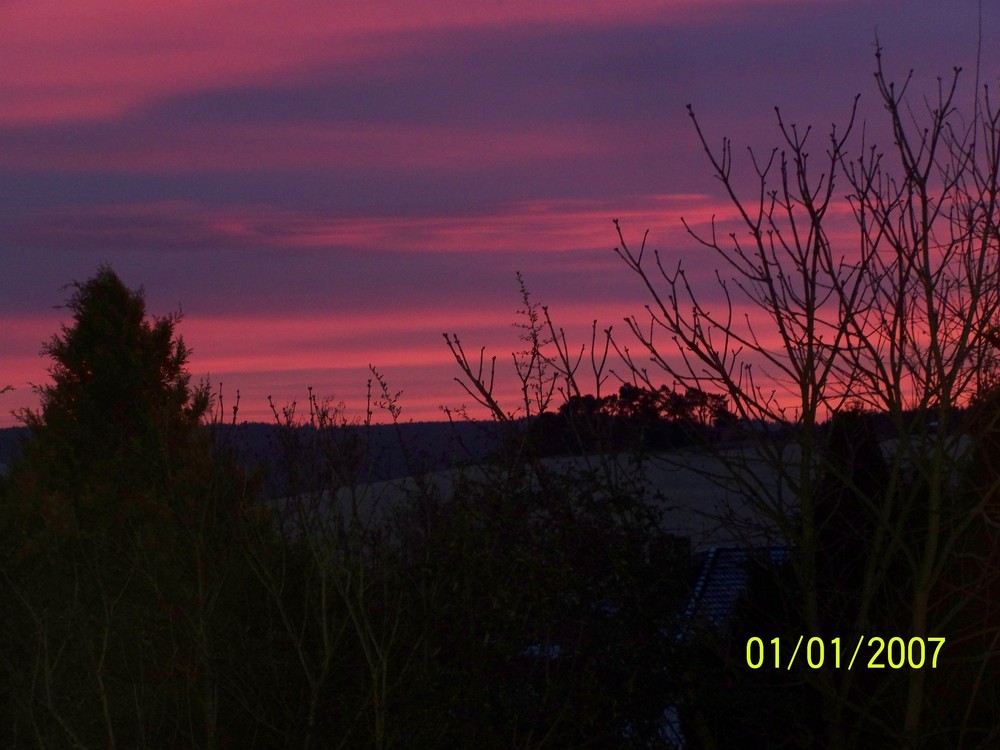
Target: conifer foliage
<point>120,539</point>
<point>120,390</point>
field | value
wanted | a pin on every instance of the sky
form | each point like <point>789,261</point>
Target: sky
<point>324,186</point>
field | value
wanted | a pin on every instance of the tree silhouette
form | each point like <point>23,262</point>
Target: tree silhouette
<point>899,321</point>
<point>120,392</point>
<point>886,533</point>
<point>120,583</point>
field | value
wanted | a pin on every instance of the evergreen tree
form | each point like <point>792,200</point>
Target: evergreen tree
<point>120,404</point>
<point>121,587</point>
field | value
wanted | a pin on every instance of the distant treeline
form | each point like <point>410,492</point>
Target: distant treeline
<point>633,418</point>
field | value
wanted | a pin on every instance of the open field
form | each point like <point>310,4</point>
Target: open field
<point>696,495</point>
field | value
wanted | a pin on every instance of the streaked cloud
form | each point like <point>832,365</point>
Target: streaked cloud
<point>327,185</point>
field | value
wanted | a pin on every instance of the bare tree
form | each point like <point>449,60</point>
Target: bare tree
<point>900,322</point>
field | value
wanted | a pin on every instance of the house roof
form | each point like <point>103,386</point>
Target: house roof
<point>723,577</point>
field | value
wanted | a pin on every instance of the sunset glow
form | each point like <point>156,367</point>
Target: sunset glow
<point>335,185</point>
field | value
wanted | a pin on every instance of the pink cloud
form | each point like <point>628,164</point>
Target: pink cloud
<point>96,60</point>
<point>100,59</point>
<point>283,356</point>
<point>112,89</point>
<point>544,226</point>
<point>238,147</point>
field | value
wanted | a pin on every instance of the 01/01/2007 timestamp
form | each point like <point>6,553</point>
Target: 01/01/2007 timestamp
<point>816,653</point>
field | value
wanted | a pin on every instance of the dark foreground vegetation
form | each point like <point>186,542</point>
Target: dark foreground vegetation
<point>158,591</point>
<point>156,595</point>
<point>153,597</point>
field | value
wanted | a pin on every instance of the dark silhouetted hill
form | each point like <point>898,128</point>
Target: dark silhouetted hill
<point>372,454</point>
